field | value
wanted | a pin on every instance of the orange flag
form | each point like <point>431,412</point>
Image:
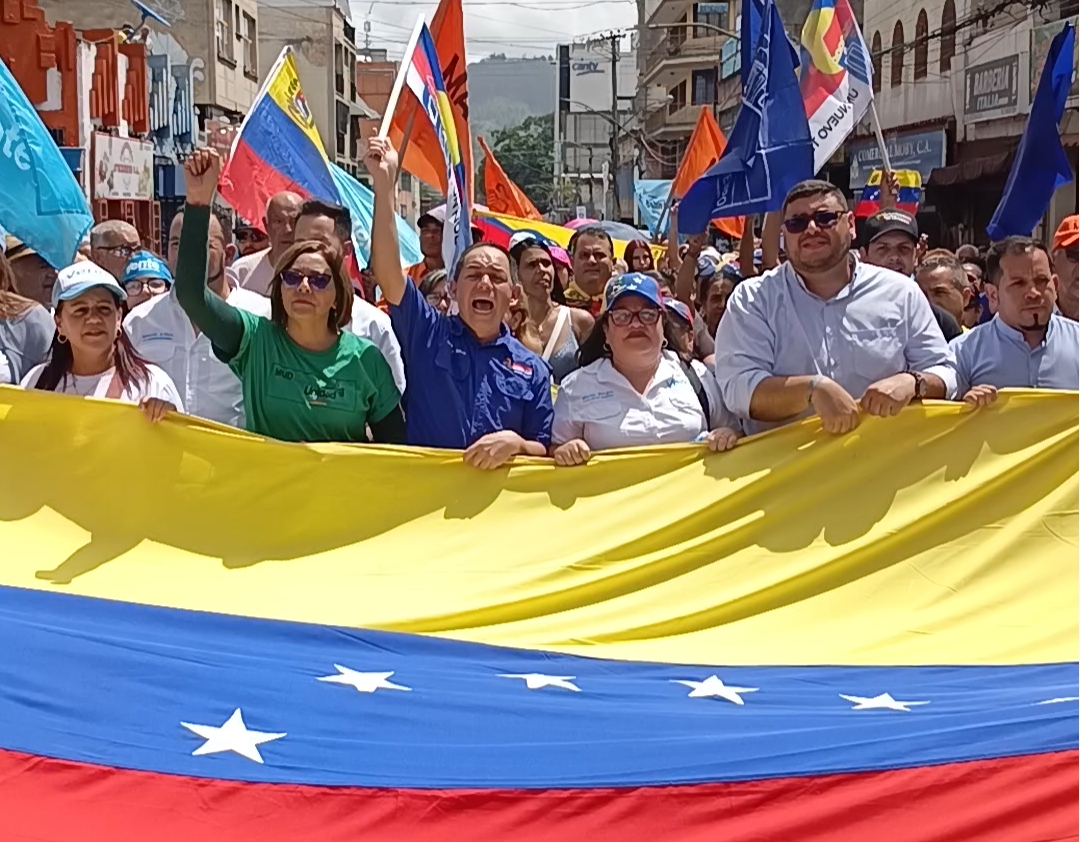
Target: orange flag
<point>706,145</point>
<point>503,196</point>
<point>423,155</point>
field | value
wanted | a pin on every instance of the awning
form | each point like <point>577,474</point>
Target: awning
<point>971,170</point>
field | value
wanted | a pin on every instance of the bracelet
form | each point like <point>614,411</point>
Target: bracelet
<point>815,381</point>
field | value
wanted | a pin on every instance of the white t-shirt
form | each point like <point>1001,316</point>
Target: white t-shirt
<point>97,386</point>
<point>599,406</point>
<point>254,272</point>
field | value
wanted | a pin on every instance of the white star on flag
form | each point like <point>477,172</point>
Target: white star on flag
<point>364,682</point>
<point>883,701</point>
<point>714,687</point>
<point>536,680</point>
<point>234,735</point>
<point>1059,700</point>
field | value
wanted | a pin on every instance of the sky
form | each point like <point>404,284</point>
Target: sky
<point>513,27</point>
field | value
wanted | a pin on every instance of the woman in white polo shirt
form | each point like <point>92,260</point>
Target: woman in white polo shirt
<point>91,355</point>
<point>632,388</point>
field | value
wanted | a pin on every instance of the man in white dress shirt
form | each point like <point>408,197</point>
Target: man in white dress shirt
<point>162,333</point>
<point>331,224</point>
<point>256,271</point>
<point>825,332</point>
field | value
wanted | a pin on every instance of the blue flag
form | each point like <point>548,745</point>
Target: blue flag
<point>41,203</point>
<point>753,11</point>
<point>359,199</point>
<point>769,150</point>
<point>651,194</point>
<point>1041,165</point>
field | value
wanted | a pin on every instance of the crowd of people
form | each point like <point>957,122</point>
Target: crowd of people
<point>535,349</point>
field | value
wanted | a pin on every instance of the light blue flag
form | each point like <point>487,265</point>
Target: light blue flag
<point>361,201</point>
<point>41,203</point>
<point>769,149</point>
<point>651,196</point>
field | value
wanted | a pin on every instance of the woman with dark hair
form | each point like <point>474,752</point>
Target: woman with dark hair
<point>633,387</point>
<point>639,257</point>
<point>91,355</point>
<point>26,329</point>
<point>304,378</point>
<point>435,288</point>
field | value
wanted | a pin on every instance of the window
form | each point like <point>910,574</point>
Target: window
<point>339,71</point>
<point>713,14</point>
<point>341,128</point>
<point>350,69</point>
<point>948,35</point>
<point>896,56</point>
<point>677,32</point>
<point>703,90</point>
<point>875,59</point>
<point>922,45</point>
<point>678,98</point>
<point>251,48</point>
<point>730,58</point>
<point>224,32</point>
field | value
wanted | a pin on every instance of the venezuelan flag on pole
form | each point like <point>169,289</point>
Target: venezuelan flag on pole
<point>420,71</point>
<point>279,148</point>
<point>908,199</point>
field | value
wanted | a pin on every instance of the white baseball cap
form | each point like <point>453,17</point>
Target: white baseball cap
<point>74,280</point>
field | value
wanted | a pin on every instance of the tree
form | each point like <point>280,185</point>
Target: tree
<point>527,154</point>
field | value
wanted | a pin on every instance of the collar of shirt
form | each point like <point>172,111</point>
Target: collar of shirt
<point>666,371</point>
<point>1011,334</point>
<point>458,328</point>
<point>858,272</point>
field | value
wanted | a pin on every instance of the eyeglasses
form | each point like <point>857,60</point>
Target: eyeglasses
<point>120,251</point>
<point>316,280</point>
<point>435,298</point>
<point>822,219</point>
<point>623,318</point>
<point>155,286</point>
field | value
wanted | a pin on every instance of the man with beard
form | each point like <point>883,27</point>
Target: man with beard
<point>1026,343</point>
<point>825,332</point>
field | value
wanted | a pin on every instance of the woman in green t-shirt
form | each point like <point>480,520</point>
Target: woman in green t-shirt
<point>303,377</point>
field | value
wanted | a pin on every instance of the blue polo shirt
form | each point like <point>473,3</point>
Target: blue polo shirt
<point>457,389</point>
<point>994,354</point>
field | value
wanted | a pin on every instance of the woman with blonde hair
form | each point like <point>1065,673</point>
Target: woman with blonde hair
<point>304,378</point>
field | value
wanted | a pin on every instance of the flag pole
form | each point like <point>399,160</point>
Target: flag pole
<point>399,82</point>
<point>880,138</point>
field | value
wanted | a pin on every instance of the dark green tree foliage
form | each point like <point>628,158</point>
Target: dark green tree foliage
<point>526,152</point>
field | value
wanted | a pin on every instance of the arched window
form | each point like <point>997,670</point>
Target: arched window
<point>948,35</point>
<point>922,45</point>
<point>896,56</point>
<point>875,59</point>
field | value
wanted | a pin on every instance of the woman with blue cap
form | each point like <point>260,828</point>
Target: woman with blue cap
<point>633,387</point>
<point>146,275</point>
<point>91,355</point>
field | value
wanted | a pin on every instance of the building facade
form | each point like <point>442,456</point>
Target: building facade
<point>953,90</point>
<point>596,90</point>
<point>323,41</point>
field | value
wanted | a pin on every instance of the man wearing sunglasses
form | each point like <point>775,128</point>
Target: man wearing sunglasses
<point>825,332</point>
<point>1064,253</point>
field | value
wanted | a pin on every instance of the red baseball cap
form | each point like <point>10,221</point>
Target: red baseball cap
<point>1067,234</point>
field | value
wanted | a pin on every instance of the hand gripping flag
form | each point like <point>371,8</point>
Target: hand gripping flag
<point>809,638</point>
<point>769,150</point>
<point>41,203</point>
<point>423,77</point>
<point>1041,165</point>
<point>908,198</point>
<point>835,76</point>
<point>279,148</point>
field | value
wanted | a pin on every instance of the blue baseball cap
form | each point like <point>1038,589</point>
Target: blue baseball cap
<point>632,283</point>
<point>679,309</point>
<point>74,280</point>
<point>144,264</point>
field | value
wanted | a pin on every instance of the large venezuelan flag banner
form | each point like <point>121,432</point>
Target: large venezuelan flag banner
<point>812,638</point>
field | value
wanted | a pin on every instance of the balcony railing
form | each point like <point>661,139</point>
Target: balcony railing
<point>673,46</point>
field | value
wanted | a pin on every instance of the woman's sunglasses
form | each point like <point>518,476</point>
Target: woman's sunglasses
<point>316,280</point>
<point>623,318</point>
<point>822,219</point>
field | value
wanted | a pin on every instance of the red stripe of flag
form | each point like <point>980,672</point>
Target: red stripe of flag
<point>1017,799</point>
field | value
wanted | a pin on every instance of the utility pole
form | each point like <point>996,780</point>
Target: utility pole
<point>614,127</point>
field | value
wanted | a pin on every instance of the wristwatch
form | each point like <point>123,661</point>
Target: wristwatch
<point>920,385</point>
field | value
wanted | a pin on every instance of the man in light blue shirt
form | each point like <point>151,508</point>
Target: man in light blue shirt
<point>1026,344</point>
<point>825,332</point>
